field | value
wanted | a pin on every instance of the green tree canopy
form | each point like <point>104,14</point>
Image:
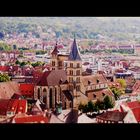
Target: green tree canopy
<point>108,102</point>
<point>4,78</point>
<point>122,82</point>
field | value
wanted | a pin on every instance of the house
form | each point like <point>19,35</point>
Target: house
<point>111,117</point>
<point>136,88</point>
<point>30,119</point>
<point>27,89</point>
<point>6,92</point>
<point>10,107</point>
<point>133,110</point>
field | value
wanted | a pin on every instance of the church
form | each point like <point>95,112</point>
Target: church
<point>65,82</point>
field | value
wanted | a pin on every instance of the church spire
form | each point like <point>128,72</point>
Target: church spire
<point>55,51</point>
<point>74,52</point>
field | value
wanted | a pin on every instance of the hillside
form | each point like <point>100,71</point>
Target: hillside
<point>109,28</point>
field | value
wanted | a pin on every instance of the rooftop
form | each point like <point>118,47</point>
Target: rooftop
<point>74,52</point>
<point>115,116</point>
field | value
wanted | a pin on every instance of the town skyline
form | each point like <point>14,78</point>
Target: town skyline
<point>64,71</point>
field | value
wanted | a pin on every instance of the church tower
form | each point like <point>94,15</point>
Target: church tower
<point>54,59</point>
<point>74,69</point>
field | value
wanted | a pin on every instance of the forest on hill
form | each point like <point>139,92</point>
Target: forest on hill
<point>109,28</point>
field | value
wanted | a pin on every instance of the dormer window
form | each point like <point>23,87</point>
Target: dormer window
<point>89,82</point>
<point>60,81</point>
<point>103,94</point>
<point>97,81</point>
<point>94,96</point>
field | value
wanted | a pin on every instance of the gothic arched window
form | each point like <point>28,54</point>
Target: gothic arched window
<point>38,93</point>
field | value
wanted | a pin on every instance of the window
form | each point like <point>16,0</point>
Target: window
<point>71,87</point>
<point>77,88</point>
<point>38,94</point>
<point>60,63</point>
<point>53,63</point>
<point>71,72</point>
<point>44,90</point>
<point>78,65</point>
<point>78,80</point>
<point>103,94</point>
<point>71,65</point>
<point>89,82</point>
<point>70,79</point>
<point>97,81</point>
<point>94,96</point>
<point>78,72</point>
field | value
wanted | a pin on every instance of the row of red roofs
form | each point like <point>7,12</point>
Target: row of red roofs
<point>16,111</point>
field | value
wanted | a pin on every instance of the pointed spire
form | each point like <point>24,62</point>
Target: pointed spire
<point>55,51</point>
<point>74,53</point>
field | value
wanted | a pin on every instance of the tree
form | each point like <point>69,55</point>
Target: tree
<point>5,47</point>
<point>117,92</point>
<point>85,109</point>
<point>91,106</point>
<point>122,82</point>
<point>99,105</point>
<point>38,63</point>
<point>108,102</point>
<point>81,107</point>
<point>17,62</point>
<point>22,64</point>
<point>4,78</point>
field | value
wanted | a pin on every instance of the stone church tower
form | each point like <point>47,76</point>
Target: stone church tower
<point>54,59</point>
<point>74,71</point>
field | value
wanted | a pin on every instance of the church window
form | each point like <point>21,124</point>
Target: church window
<point>78,79</point>
<point>70,79</point>
<point>71,65</point>
<point>78,72</point>
<point>71,72</point>
<point>38,93</point>
<point>78,65</point>
<point>77,88</point>
<point>53,63</point>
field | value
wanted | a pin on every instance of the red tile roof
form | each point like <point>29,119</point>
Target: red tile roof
<point>52,78</point>
<point>136,112</point>
<point>3,106</point>
<point>135,107</point>
<point>32,119</point>
<point>134,104</point>
<point>93,79</point>
<point>13,105</point>
<point>27,89</point>
<point>112,116</point>
<point>100,94</point>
